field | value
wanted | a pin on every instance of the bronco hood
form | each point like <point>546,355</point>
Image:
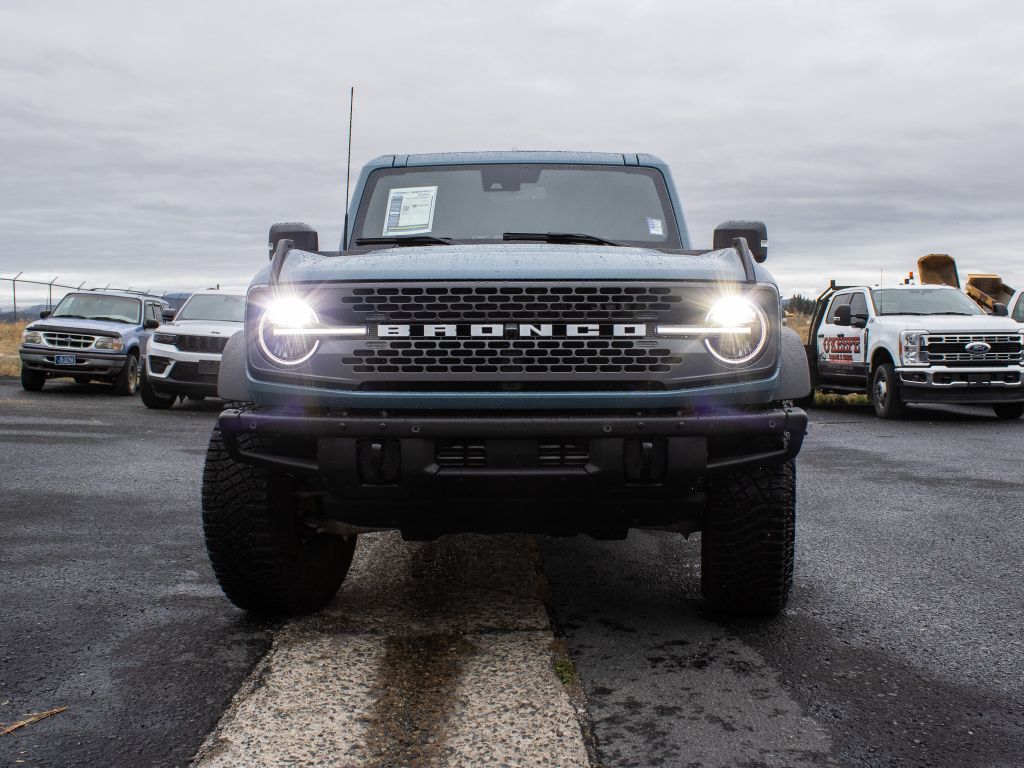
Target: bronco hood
<point>515,261</point>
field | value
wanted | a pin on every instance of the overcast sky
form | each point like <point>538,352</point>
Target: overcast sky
<point>153,144</point>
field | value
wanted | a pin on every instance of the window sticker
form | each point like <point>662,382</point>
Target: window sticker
<point>410,211</point>
<point>655,227</point>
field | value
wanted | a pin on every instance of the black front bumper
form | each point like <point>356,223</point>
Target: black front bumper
<point>92,364</point>
<point>551,473</point>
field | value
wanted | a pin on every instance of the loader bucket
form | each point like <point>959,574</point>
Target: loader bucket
<point>938,269</point>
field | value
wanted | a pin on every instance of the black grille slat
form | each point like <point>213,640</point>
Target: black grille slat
<point>458,455</point>
<point>213,345</point>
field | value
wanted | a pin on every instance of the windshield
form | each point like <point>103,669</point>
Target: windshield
<point>213,307</point>
<point>92,307</point>
<point>470,203</point>
<point>923,301</point>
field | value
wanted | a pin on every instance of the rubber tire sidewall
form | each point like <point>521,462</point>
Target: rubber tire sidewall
<point>1008,411</point>
<point>893,407</point>
<point>32,381</point>
<point>151,398</point>
<point>122,384</point>
<point>250,528</point>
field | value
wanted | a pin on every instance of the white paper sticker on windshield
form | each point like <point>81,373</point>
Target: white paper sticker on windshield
<point>410,211</point>
<point>654,227</point>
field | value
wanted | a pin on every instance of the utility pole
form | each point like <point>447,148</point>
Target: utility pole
<point>14,293</point>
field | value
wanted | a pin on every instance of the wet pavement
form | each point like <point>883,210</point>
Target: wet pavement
<point>901,646</point>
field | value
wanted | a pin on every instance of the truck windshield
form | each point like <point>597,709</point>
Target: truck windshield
<point>87,306</point>
<point>215,307</point>
<point>923,301</point>
<point>474,203</point>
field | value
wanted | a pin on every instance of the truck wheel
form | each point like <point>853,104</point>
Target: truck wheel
<point>265,559</point>
<point>1008,411</point>
<point>127,381</point>
<point>153,399</point>
<point>747,541</point>
<point>32,381</point>
<point>885,393</point>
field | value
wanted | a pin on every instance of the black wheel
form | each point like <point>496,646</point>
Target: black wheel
<point>1008,411</point>
<point>153,399</point>
<point>82,379</point>
<point>127,381</point>
<point>32,381</point>
<point>885,393</point>
<point>265,558</point>
<point>747,541</point>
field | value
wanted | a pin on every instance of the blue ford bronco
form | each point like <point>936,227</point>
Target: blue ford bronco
<point>507,342</point>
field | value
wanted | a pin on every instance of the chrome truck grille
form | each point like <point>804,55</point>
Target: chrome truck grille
<point>60,340</point>
<point>951,349</point>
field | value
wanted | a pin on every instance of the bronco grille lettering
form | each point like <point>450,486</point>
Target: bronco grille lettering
<point>519,330</point>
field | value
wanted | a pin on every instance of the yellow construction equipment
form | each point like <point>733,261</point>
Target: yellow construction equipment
<point>986,290</point>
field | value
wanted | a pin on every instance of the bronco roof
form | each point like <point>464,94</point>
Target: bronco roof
<point>514,156</point>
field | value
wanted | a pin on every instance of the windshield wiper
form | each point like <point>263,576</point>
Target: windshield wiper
<point>560,237</point>
<point>76,317</point>
<point>404,240</point>
<point>111,319</point>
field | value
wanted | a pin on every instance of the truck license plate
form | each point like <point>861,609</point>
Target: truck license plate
<point>65,360</point>
<point>209,366</point>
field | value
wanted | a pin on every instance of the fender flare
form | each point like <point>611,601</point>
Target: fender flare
<point>795,373</point>
<point>232,381</point>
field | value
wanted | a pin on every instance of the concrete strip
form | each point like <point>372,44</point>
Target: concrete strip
<point>436,653</point>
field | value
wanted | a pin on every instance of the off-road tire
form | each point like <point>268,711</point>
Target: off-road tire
<point>886,396</point>
<point>32,381</point>
<point>264,559</point>
<point>747,541</point>
<point>153,399</point>
<point>127,381</point>
<point>1008,411</point>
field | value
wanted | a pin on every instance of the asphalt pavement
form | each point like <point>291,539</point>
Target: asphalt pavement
<point>901,646</point>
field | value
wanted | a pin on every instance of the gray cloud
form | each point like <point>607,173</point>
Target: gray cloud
<point>159,143</point>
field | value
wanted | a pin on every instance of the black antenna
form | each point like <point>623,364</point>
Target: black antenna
<point>348,168</point>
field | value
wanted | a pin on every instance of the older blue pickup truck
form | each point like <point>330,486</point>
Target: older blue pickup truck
<point>509,341</point>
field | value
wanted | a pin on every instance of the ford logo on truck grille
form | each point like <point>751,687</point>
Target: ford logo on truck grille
<point>978,347</point>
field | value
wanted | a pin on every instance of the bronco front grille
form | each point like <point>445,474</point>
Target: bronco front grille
<point>68,340</point>
<point>207,344</point>
<point>496,356</point>
<point>527,303</point>
<point>951,349</point>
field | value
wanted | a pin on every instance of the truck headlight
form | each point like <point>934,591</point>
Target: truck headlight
<point>31,337</point>
<point>737,330</point>
<point>910,348</point>
<point>109,342</point>
<point>277,337</point>
<point>164,338</point>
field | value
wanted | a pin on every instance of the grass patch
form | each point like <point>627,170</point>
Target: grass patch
<point>565,670</point>
<point>10,339</point>
<point>831,398</point>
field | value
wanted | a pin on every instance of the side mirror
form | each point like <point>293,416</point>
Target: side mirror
<point>999,309</point>
<point>168,315</point>
<point>44,314</point>
<point>755,233</point>
<point>303,235</point>
<point>150,323</point>
<point>858,321</point>
<point>842,315</point>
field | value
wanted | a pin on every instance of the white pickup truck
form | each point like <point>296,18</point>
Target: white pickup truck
<point>916,344</point>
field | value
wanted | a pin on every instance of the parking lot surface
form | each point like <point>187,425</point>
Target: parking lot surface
<point>901,646</point>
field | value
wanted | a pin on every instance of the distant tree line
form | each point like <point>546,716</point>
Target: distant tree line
<point>800,304</point>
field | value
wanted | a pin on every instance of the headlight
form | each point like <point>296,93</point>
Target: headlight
<point>107,342</point>
<point>910,348</point>
<point>31,337</point>
<point>287,314</point>
<point>737,330</point>
<point>164,338</point>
